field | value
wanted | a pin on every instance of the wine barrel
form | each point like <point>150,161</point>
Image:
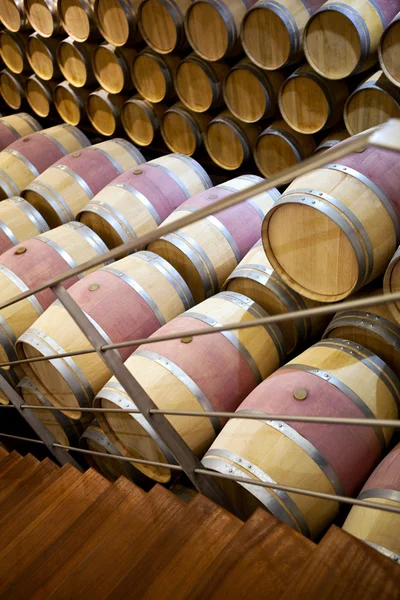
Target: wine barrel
<point>391,283</point>
<point>75,62</point>
<point>183,130</point>
<point>332,139</point>
<point>377,528</point>
<point>43,17</point>
<point>150,293</point>
<point>161,23</point>
<point>13,51</point>
<point>12,88</point>
<point>61,191</point>
<point>39,95</point>
<point>153,75</point>
<point>142,119</point>
<point>12,15</point>
<point>210,372</point>
<point>198,83</point>
<point>375,101</point>
<point>279,147</point>
<point>255,278</point>
<point>26,158</point>
<point>12,377</point>
<point>15,126</point>
<point>116,20</point>
<point>272,31</point>
<point>206,252</point>
<point>33,262</point>
<point>250,93</point>
<point>230,142</point>
<point>387,51</point>
<point>70,102</point>
<point>342,38</point>
<point>41,54</point>
<point>19,221</point>
<point>341,214</point>
<point>334,378</point>
<point>139,200</point>
<point>310,103</point>
<point>104,110</point>
<point>111,67</point>
<point>78,20</point>
<point>212,27</point>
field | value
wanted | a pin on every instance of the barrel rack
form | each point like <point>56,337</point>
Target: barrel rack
<point>385,136</point>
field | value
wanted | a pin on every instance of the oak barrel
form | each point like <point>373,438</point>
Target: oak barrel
<point>104,110</point>
<point>153,74</point>
<point>279,147</point>
<point>19,221</point>
<point>255,278</point>
<point>229,141</point>
<point>13,51</point>
<point>61,191</point>
<point>391,283</point>
<point>141,119</point>
<point>39,95</point>
<point>43,17</point>
<point>70,103</point>
<point>309,103</point>
<point>75,62</point>
<point>373,102</point>
<point>161,23</point>
<point>251,93</point>
<point>150,293</point>
<point>183,130</point>
<point>26,158</point>
<point>16,126</point>
<point>198,82</point>
<point>206,252</point>
<point>111,67</point>
<point>77,19</point>
<point>12,376</point>
<point>116,20</point>
<point>12,88</point>
<point>12,15</point>
<point>388,51</point>
<point>334,378</point>
<point>272,31</point>
<point>41,54</point>
<point>138,201</point>
<point>333,138</point>
<point>335,229</point>
<point>210,372</point>
<point>342,38</point>
<point>377,528</point>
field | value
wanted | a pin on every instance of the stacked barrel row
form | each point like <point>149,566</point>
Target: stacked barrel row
<point>269,104</point>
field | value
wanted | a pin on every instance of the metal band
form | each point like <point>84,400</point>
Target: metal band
<point>267,89</point>
<point>8,233</point>
<point>393,555</point>
<point>10,127</point>
<point>287,18</point>
<point>139,290</point>
<point>91,238</point>
<point>213,78</point>
<point>387,330</point>
<point>64,255</point>
<point>130,148</point>
<point>7,339</point>
<point>99,328</point>
<point>378,9</point>
<point>321,83</point>
<point>384,493</point>
<point>172,175</point>
<point>227,17</point>
<point>21,286</point>
<point>182,111</point>
<point>110,158</point>
<point>383,86</point>
<point>289,138</point>
<point>54,140</point>
<point>53,198</point>
<point>23,159</point>
<point>110,215</point>
<point>144,105</point>
<point>327,144</point>
<point>101,439</point>
<point>187,381</point>
<point>33,215</point>
<point>294,518</point>
<point>32,122</point>
<point>142,198</point>
<point>241,134</point>
<point>77,178</point>
<point>197,168</point>
<point>9,186</point>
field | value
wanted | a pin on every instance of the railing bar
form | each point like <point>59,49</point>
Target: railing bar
<point>24,439</point>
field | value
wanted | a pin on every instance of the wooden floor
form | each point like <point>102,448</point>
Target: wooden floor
<point>68,535</point>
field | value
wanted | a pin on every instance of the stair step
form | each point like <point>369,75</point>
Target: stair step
<point>131,536</point>
<point>72,547</point>
<point>9,461</point>
<point>18,473</point>
<point>258,563</point>
<point>68,504</point>
<point>181,554</point>
<point>342,567</point>
<point>3,451</point>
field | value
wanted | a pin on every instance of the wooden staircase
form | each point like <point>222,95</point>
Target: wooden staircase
<point>71,535</point>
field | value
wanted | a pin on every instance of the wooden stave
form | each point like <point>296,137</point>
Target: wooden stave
<point>216,73</point>
<point>46,89</point>
<point>18,82</point>
<point>20,42</point>
<point>381,50</point>
<point>16,126</point>
<point>129,10</point>
<point>21,227</point>
<point>51,6</point>
<point>87,7</point>
<point>50,46</point>
<point>197,123</point>
<point>114,104</point>
<point>167,64</point>
<point>79,95</point>
<point>23,23</point>
<point>390,286</point>
<point>177,12</point>
<point>124,57</point>
<point>85,52</point>
<point>152,113</point>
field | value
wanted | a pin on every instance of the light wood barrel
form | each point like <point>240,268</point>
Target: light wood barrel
<point>377,528</point>
<point>15,126</point>
<point>138,201</point>
<point>43,17</point>
<point>198,83</point>
<point>77,19</point>
<point>41,54</point>
<point>334,378</point>
<point>12,88</point>
<point>111,67</point>
<point>75,62</point>
<point>211,372</point>
<point>279,147</point>
<point>374,102</point>
<point>206,252</point>
<point>116,20</point>
<point>70,103</point>
<point>272,31</point>
<point>39,95</point>
<point>388,51</point>
<point>61,191</point>
<point>342,38</point>
<point>19,221</point>
<point>153,75</point>
<point>13,51</point>
<point>150,293</point>
<point>161,23</point>
<point>141,119</point>
<point>310,103</point>
<point>391,283</point>
<point>12,15</point>
<point>229,141</point>
<point>255,278</point>
<point>183,130</point>
<point>32,262</point>
<point>12,377</point>
<point>104,110</point>
<point>341,214</point>
<point>212,27</point>
<point>332,139</point>
<point>26,158</point>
